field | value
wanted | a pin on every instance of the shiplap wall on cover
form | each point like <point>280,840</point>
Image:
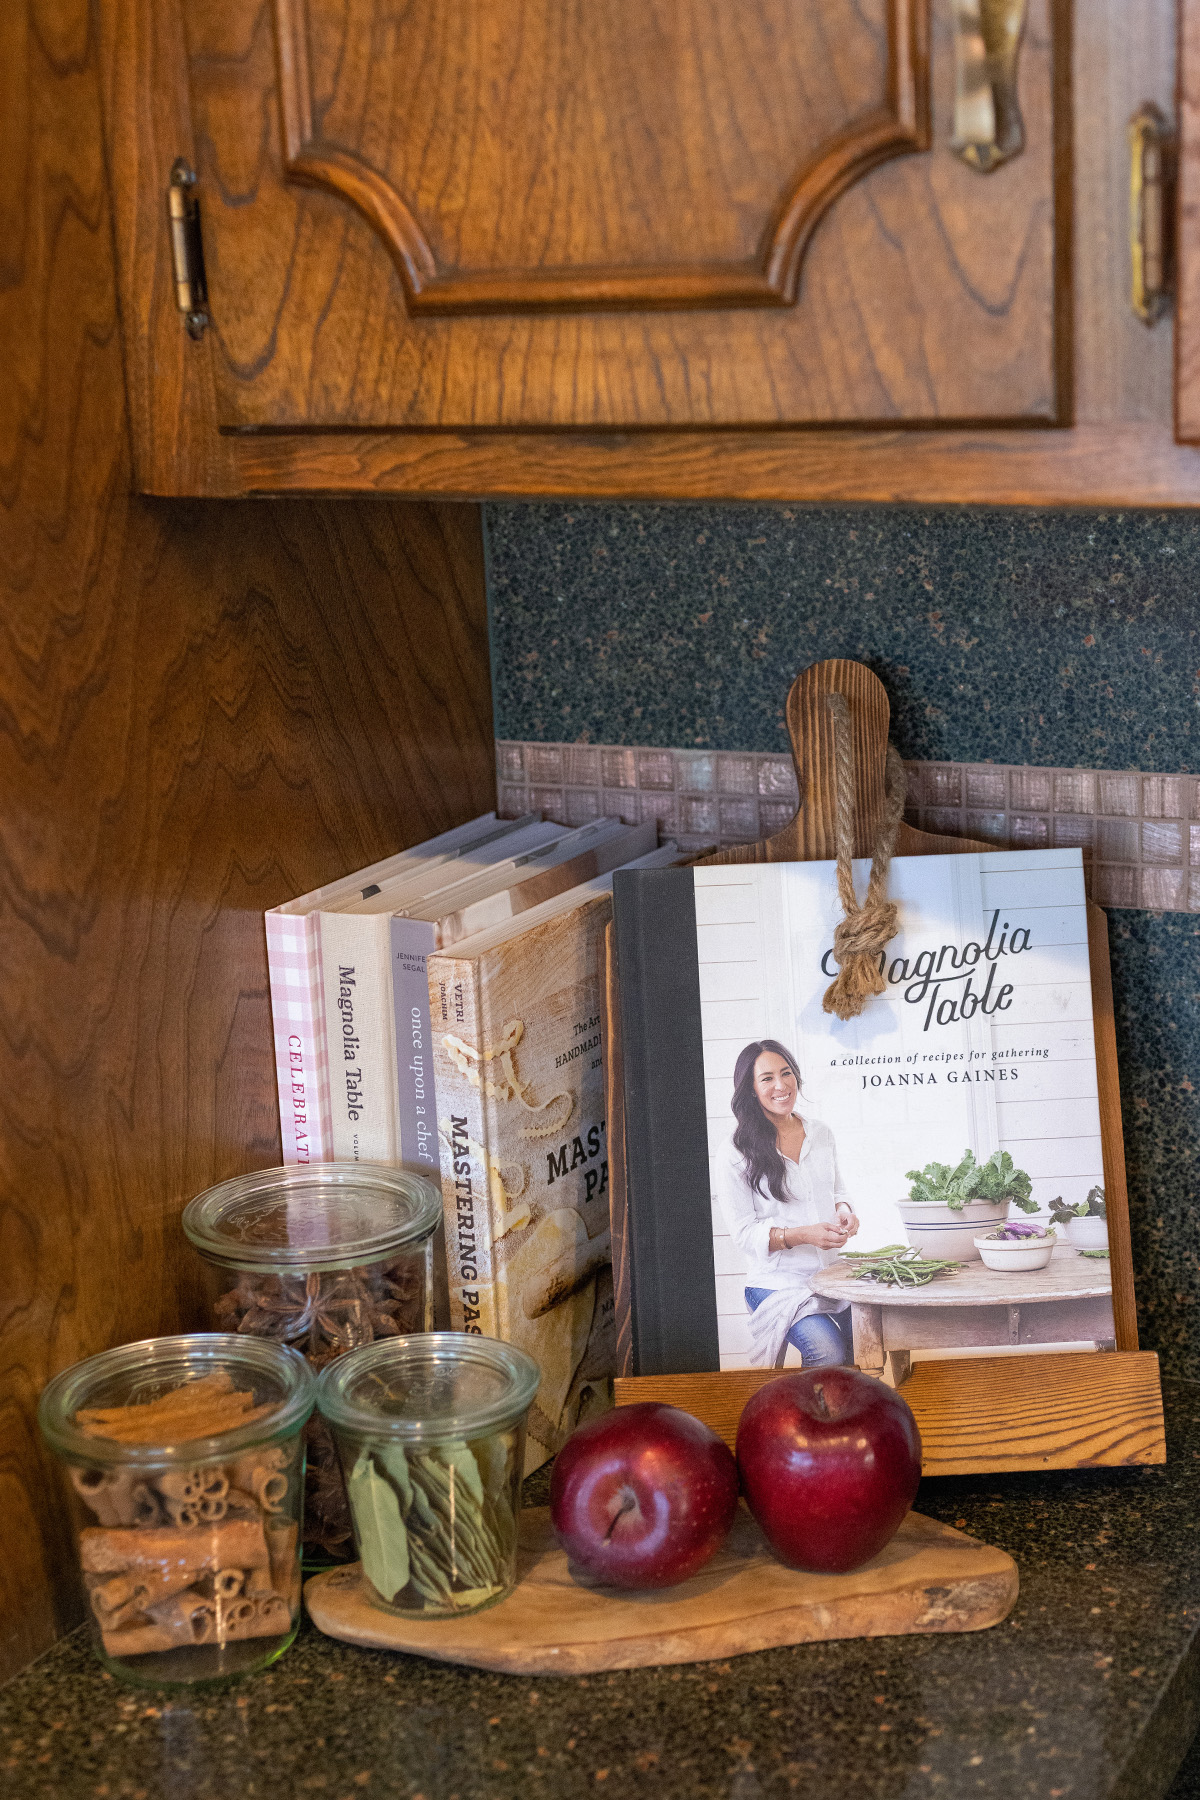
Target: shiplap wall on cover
<point>762,931</point>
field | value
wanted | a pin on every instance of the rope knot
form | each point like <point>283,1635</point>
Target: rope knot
<point>866,934</point>
<point>862,935</point>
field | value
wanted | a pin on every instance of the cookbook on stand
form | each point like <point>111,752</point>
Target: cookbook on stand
<point>962,1097</point>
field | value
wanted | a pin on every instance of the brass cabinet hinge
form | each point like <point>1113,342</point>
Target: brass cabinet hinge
<point>1151,212</point>
<point>187,250</point>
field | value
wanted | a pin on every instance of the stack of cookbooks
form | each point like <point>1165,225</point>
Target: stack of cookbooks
<point>441,1011</point>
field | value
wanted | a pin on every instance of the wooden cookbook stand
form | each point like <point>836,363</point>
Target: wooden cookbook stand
<point>977,1414</point>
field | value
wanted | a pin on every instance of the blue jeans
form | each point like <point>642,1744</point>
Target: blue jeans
<point>819,1338</point>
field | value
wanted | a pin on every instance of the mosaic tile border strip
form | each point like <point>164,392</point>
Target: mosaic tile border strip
<point>1143,831</point>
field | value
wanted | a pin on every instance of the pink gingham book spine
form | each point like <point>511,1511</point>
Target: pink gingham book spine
<point>297,1012</point>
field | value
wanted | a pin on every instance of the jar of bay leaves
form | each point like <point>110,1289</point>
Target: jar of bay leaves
<point>327,1258</point>
<point>431,1434</point>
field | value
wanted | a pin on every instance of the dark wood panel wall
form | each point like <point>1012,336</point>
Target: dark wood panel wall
<point>205,707</point>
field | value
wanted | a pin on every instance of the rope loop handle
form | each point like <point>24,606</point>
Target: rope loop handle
<point>861,936</point>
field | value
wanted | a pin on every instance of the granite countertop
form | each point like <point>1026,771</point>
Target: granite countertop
<point>1090,1689</point>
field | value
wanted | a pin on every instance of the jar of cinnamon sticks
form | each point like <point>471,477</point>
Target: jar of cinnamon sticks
<point>326,1258</point>
<point>185,1465</point>
<point>431,1434</point>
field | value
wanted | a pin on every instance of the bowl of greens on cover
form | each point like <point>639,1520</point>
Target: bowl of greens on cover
<point>948,1204</point>
<point>1086,1223</point>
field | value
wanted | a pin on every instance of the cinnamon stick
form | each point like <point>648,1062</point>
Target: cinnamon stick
<point>117,1496</point>
<point>142,1640</point>
<point>260,1474</point>
<point>282,1544</point>
<point>189,1617</point>
<point>137,1590</point>
<point>273,1615</point>
<point>233,1616</point>
<point>233,1544</point>
<point>204,1387</point>
<point>193,1484</point>
<point>181,1424</point>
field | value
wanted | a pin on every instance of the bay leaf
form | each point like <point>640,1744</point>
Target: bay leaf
<point>379,1528</point>
<point>392,1460</point>
<point>471,1597</point>
<point>456,1456</point>
<point>492,1456</point>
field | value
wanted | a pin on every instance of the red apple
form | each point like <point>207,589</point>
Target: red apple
<point>829,1460</point>
<point>643,1496</point>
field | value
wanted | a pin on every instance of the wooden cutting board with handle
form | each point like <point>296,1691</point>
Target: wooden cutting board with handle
<point>930,1578</point>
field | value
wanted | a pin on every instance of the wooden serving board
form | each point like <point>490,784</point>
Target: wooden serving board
<point>930,1578</point>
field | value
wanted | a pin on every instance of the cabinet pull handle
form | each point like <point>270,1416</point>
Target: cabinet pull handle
<point>988,128</point>
<point>1151,188</point>
<point>187,250</point>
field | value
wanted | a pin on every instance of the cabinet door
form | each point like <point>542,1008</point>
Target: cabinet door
<point>1187,278</point>
<point>621,213</point>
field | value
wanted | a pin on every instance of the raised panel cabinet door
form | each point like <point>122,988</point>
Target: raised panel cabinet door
<point>622,213</point>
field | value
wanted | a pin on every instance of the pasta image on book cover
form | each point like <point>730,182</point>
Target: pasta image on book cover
<point>924,1180</point>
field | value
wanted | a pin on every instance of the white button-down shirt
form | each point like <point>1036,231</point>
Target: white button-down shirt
<point>812,1189</point>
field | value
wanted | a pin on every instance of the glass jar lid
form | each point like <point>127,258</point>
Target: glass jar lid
<point>312,1218</point>
<point>278,1378</point>
<point>429,1387</point>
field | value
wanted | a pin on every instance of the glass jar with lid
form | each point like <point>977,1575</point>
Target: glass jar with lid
<point>185,1466</point>
<point>326,1258</point>
<point>431,1435</point>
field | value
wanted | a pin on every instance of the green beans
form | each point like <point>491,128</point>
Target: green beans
<point>897,1265</point>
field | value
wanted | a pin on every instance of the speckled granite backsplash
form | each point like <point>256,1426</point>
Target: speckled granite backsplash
<point>1052,639</point>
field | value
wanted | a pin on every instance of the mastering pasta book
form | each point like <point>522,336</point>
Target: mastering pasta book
<point>924,1180</point>
<point>519,1076</point>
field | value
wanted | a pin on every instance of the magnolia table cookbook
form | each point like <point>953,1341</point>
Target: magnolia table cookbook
<point>924,1180</point>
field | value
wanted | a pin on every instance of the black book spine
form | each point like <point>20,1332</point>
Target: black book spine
<point>673,1298</point>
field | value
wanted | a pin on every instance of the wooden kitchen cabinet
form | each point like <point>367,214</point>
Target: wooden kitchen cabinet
<point>676,247</point>
<point>614,214</point>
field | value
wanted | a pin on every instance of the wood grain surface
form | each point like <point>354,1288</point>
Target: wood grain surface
<point>1187,300</point>
<point>930,1578</point>
<point>928,292</point>
<point>516,156</point>
<point>1120,450</point>
<point>1108,463</point>
<point>1124,56</point>
<point>812,834</point>
<point>177,448</point>
<point>207,708</point>
<point>986,1414</point>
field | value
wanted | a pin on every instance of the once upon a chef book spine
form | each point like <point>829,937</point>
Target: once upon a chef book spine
<point>298,1023</point>
<point>411,941</point>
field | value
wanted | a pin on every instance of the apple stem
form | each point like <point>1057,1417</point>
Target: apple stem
<point>822,1403</point>
<point>628,1502</point>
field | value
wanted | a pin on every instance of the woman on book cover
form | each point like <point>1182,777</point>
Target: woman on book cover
<point>782,1197</point>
